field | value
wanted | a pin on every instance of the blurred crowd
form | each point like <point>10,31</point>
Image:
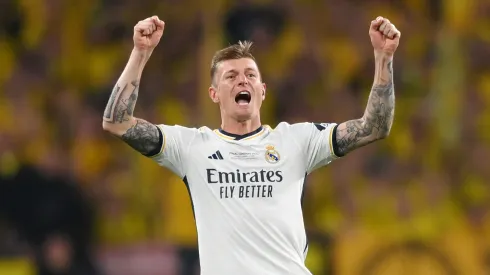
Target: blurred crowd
<point>429,179</point>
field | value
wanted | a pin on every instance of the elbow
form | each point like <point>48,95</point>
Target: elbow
<point>106,125</point>
<point>374,131</point>
<point>383,134</point>
<point>109,127</point>
<point>117,129</point>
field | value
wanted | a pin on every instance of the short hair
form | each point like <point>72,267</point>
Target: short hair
<point>235,51</point>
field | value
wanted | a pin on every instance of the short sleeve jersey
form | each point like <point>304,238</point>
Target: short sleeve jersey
<point>246,192</point>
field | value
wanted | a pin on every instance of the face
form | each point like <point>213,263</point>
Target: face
<point>238,89</point>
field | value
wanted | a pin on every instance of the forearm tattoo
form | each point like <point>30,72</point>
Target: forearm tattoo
<point>121,104</point>
<point>378,117</point>
<point>143,137</point>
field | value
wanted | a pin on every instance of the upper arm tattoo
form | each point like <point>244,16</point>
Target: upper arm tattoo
<point>378,117</point>
<point>144,137</point>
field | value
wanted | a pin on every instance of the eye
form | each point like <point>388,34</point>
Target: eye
<point>251,75</point>
<point>230,77</point>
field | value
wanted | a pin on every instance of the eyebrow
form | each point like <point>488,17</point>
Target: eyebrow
<point>246,69</point>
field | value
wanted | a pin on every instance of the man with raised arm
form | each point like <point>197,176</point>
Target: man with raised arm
<point>246,179</point>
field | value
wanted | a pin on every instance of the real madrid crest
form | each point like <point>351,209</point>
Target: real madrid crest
<point>271,155</point>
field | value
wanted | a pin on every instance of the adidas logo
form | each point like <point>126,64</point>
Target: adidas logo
<point>216,155</point>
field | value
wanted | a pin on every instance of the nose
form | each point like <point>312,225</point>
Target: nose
<point>242,80</point>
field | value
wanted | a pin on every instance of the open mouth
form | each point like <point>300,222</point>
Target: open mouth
<point>243,98</point>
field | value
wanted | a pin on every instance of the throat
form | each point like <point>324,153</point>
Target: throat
<point>239,130</point>
<point>232,126</point>
<point>243,135</point>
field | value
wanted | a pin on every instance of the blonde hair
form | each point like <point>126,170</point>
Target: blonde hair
<point>236,51</point>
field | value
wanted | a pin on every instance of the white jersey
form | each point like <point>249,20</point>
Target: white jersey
<point>246,193</point>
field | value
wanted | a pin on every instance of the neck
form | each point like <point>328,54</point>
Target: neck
<point>240,127</point>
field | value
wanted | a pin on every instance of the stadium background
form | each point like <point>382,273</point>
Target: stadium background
<point>71,196</point>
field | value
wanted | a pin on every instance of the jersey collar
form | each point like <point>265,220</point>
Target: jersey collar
<point>231,136</point>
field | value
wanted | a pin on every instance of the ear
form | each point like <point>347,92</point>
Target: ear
<point>213,94</point>
<point>264,87</point>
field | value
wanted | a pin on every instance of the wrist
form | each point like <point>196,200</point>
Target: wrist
<point>139,58</point>
<point>141,54</point>
<point>381,55</point>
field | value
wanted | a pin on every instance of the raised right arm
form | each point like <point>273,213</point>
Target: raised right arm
<point>118,117</point>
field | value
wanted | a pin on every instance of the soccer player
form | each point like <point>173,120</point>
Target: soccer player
<point>246,179</point>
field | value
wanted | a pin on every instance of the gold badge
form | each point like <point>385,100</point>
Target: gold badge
<point>271,155</point>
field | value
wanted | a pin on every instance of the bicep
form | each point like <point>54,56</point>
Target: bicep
<point>144,137</point>
<point>353,134</point>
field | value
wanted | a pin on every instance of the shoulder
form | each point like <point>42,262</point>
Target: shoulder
<point>184,129</point>
<point>283,126</point>
<point>303,126</point>
<point>185,134</point>
<point>303,131</point>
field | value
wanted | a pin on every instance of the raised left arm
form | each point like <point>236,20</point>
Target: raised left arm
<point>378,116</point>
<point>376,122</point>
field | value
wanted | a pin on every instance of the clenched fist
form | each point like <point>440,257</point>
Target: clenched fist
<point>147,33</point>
<point>384,36</point>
